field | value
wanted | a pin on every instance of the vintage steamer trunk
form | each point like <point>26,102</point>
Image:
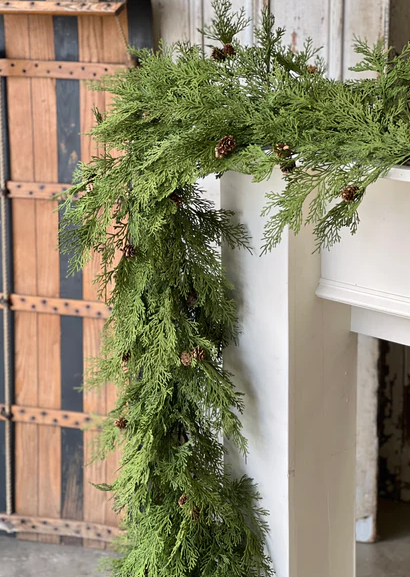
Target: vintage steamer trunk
<point>47,50</point>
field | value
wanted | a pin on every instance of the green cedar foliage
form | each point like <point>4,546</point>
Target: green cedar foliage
<point>170,291</point>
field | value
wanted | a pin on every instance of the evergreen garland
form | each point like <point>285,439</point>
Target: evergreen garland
<point>177,117</point>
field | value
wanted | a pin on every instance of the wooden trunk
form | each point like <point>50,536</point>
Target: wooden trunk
<point>56,319</point>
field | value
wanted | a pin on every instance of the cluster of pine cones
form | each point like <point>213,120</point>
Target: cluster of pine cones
<point>221,54</point>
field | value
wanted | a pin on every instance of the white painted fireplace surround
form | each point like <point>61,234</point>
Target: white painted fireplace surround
<point>297,363</point>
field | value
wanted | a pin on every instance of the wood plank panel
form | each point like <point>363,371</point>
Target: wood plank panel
<point>16,523</point>
<point>44,113</point>
<point>36,190</point>
<point>25,271</point>
<point>26,435</point>
<point>57,306</point>
<point>19,101</point>
<point>33,68</point>
<point>61,8</point>
<point>95,502</point>
<point>52,417</point>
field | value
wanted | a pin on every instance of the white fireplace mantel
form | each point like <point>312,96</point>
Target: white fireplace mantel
<point>296,362</point>
<point>371,270</point>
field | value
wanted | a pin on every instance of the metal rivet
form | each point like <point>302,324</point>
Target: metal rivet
<point>66,304</point>
<point>55,420</point>
<point>55,308</point>
<point>12,64</point>
<point>44,302</point>
<point>24,70</point>
<point>42,186</point>
<point>43,413</point>
<point>77,311</point>
<point>23,300</point>
<point>76,423</point>
<point>32,418</point>
<point>33,306</point>
<point>31,192</point>
<point>65,416</point>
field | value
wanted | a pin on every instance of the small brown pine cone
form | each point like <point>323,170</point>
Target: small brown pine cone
<point>176,199</point>
<point>225,146</point>
<point>182,500</point>
<point>229,50</point>
<point>186,359</point>
<point>89,187</point>
<point>126,357</point>
<point>129,251</point>
<point>283,150</point>
<point>312,69</point>
<point>349,193</point>
<point>121,423</point>
<point>218,54</point>
<point>195,513</point>
<point>191,300</point>
<point>198,353</point>
<point>288,167</point>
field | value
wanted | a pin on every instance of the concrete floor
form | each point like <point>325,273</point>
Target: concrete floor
<point>29,559</point>
<point>390,557</point>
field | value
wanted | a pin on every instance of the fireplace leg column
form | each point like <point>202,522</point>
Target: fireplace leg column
<point>296,363</point>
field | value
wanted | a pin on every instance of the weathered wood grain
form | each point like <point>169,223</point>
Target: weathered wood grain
<point>95,502</point>
<point>25,269</point>
<point>61,8</point>
<point>57,306</point>
<point>44,114</point>
<point>52,417</point>
<point>33,68</point>
<point>35,190</point>
<point>46,526</point>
